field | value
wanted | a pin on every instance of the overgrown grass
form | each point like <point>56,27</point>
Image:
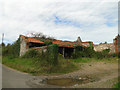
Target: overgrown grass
<point>25,65</point>
<point>29,66</point>
<point>86,60</point>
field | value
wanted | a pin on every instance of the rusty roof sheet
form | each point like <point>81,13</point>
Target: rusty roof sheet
<point>60,43</point>
<point>66,43</point>
<point>29,39</point>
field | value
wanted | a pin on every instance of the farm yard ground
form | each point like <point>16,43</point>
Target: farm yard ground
<point>104,73</point>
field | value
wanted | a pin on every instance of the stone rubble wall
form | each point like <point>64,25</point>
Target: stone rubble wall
<point>23,48</point>
<point>86,44</point>
<point>104,46</point>
<point>40,49</point>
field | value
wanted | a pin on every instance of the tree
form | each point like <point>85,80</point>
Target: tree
<point>3,44</point>
<point>8,45</point>
<point>39,35</point>
<point>105,42</point>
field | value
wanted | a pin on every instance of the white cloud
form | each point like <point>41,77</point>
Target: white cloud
<point>93,20</point>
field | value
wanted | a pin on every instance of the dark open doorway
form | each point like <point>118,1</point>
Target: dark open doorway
<point>31,45</point>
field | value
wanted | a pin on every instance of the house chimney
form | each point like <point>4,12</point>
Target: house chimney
<point>79,40</point>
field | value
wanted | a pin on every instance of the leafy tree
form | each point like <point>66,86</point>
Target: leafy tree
<point>39,35</point>
<point>105,42</point>
<point>12,50</point>
<point>3,44</point>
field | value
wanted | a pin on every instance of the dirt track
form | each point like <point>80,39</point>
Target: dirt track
<point>106,72</point>
<point>105,75</point>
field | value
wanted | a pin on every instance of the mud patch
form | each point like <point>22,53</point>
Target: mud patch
<point>69,81</point>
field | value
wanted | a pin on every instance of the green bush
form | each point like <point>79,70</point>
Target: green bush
<point>103,54</point>
<point>91,46</point>
<point>83,52</point>
<point>31,54</point>
<point>50,57</point>
<point>52,54</point>
<point>3,45</point>
<point>119,55</point>
<point>90,53</point>
<point>78,52</point>
<point>47,42</point>
<point>12,50</point>
<point>113,55</point>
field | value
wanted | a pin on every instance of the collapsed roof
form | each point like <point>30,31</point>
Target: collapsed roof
<point>60,43</point>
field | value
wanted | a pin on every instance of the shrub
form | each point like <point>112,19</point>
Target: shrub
<point>3,44</point>
<point>78,52</point>
<point>99,55</point>
<point>12,50</point>
<point>50,57</point>
<point>106,51</point>
<point>91,46</point>
<point>83,52</point>
<point>90,53</point>
<point>31,54</point>
<point>15,48</point>
<point>52,54</point>
<point>47,42</point>
<point>113,55</point>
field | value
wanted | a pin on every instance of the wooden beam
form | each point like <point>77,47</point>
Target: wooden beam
<point>63,52</point>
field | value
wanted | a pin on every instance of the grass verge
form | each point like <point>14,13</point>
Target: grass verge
<point>87,60</point>
<point>30,66</point>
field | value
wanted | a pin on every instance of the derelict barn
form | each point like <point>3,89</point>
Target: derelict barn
<point>66,48</point>
<point>27,42</point>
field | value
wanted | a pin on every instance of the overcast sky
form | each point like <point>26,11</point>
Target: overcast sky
<point>92,20</point>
